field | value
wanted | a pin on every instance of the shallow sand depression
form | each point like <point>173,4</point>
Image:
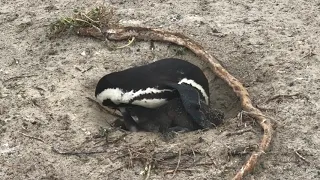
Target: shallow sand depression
<point>271,47</point>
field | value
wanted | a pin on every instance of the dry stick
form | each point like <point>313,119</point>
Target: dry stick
<point>77,153</point>
<point>239,132</point>
<point>32,137</point>
<point>19,77</point>
<point>141,33</point>
<point>301,157</point>
<point>171,171</point>
<point>112,112</point>
<point>175,170</point>
<point>281,96</point>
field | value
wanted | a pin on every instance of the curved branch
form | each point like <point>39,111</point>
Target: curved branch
<point>124,33</point>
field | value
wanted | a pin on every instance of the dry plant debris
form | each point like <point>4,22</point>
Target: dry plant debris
<point>98,23</point>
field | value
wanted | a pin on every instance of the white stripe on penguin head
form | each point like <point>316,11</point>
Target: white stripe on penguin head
<point>197,86</point>
<point>114,94</point>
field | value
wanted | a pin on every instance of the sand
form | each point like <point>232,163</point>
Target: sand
<point>272,47</point>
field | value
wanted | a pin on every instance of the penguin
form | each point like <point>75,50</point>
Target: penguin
<point>153,85</point>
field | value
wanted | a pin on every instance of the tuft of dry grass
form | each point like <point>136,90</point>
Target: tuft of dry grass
<point>97,18</point>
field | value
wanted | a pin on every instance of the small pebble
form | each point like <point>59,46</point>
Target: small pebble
<point>83,53</point>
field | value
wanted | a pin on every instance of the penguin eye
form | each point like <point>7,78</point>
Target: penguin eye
<point>109,103</point>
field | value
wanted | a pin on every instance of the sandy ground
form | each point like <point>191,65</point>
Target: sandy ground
<point>271,46</point>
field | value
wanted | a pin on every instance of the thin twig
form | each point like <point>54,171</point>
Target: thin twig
<point>212,160</point>
<point>172,171</point>
<point>77,153</point>
<point>19,77</point>
<point>83,14</point>
<point>32,137</point>
<point>256,114</point>
<point>119,138</point>
<point>116,169</point>
<point>301,157</point>
<point>87,69</point>
<point>239,132</point>
<point>281,96</point>
<point>265,109</point>
<point>130,158</point>
<point>179,159</point>
<point>194,155</point>
<point>129,43</point>
<point>148,172</point>
<point>113,113</point>
<point>81,20</point>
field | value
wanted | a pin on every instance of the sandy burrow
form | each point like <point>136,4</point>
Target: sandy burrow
<point>272,47</point>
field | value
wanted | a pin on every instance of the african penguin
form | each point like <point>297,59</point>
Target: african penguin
<point>152,86</point>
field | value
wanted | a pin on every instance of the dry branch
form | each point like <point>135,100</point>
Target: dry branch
<point>116,33</point>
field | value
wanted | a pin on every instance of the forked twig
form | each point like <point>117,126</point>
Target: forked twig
<point>116,33</point>
<point>148,172</point>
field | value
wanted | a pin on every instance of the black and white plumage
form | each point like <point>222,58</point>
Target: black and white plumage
<point>152,86</point>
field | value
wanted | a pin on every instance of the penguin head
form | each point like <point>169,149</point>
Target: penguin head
<point>107,94</point>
